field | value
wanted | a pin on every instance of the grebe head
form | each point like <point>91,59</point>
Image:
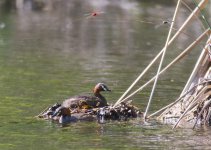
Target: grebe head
<point>100,87</point>
<point>62,111</point>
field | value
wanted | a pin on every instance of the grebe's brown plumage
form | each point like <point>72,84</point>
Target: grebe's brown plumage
<point>79,108</point>
<point>97,100</point>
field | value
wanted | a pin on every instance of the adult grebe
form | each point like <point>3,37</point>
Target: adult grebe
<point>97,100</point>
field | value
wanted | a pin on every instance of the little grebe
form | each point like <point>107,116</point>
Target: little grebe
<point>90,101</point>
<point>63,115</point>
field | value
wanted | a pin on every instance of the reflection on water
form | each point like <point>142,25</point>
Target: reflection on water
<point>51,51</point>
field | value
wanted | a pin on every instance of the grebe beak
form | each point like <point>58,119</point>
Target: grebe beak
<point>109,90</point>
<point>105,88</point>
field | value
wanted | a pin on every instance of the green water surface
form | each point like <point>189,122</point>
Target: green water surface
<point>49,55</point>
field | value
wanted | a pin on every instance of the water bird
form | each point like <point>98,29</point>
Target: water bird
<point>63,115</point>
<point>82,101</point>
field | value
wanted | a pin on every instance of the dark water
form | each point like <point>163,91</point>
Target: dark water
<point>49,54</point>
